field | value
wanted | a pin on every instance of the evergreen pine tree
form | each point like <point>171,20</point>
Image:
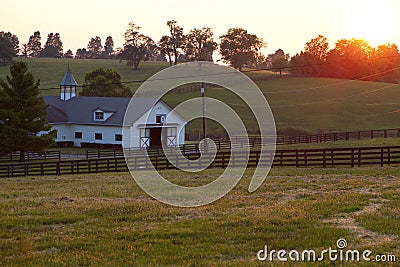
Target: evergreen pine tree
<point>23,113</point>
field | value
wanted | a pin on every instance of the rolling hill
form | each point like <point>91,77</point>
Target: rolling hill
<point>298,104</point>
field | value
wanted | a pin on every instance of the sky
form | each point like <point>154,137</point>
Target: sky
<point>282,24</point>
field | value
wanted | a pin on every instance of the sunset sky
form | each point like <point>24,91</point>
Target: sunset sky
<point>286,24</point>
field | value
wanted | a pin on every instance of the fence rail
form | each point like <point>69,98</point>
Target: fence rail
<point>333,157</point>
<point>256,142</point>
<point>28,156</point>
<point>222,143</point>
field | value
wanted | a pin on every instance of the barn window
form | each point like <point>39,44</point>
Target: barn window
<point>98,136</point>
<point>160,118</point>
<point>78,135</point>
<point>99,116</point>
<point>118,137</point>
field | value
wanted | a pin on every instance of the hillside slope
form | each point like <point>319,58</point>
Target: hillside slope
<point>298,104</point>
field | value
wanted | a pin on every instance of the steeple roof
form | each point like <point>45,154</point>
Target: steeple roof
<point>68,79</point>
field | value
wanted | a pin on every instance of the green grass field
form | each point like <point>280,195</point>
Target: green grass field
<point>107,220</point>
<point>321,105</point>
<point>298,104</point>
<point>93,220</point>
<point>50,71</point>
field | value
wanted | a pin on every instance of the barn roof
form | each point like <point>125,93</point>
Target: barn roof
<point>79,110</point>
<point>68,79</point>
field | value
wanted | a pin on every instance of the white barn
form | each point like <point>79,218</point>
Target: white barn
<point>100,120</point>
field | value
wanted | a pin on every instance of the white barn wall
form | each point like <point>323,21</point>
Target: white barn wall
<point>159,108</point>
<point>63,132</point>
<point>88,132</point>
<point>131,134</point>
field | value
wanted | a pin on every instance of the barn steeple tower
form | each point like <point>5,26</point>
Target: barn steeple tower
<point>68,86</point>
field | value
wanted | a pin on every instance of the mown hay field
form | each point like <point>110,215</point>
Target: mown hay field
<point>107,220</point>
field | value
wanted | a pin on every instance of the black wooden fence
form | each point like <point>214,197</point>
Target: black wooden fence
<point>28,156</point>
<point>332,157</point>
<point>221,144</point>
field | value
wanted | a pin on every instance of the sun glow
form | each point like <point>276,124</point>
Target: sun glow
<point>373,21</point>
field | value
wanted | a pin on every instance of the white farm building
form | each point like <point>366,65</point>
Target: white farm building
<point>94,121</point>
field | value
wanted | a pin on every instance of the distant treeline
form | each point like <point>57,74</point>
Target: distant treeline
<point>349,59</point>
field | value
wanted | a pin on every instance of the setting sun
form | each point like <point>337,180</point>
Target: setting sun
<point>373,21</point>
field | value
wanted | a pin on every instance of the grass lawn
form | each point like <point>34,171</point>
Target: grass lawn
<point>105,219</point>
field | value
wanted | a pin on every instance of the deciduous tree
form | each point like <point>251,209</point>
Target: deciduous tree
<point>81,53</point>
<point>53,46</point>
<point>6,49</point>
<point>279,64</point>
<point>12,39</point>
<point>306,64</point>
<point>138,47</point>
<point>199,45</point>
<point>34,45</point>
<point>94,47</point>
<point>22,113</point>
<point>386,62</point>
<point>350,59</point>
<point>319,47</point>
<point>69,54</point>
<point>104,83</point>
<point>166,48</point>
<point>177,39</point>
<point>109,47</point>
<point>238,47</point>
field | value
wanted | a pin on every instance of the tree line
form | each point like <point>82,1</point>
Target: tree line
<point>349,59</point>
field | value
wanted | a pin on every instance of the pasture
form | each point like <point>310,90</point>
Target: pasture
<point>106,219</point>
<point>299,105</point>
<point>50,71</point>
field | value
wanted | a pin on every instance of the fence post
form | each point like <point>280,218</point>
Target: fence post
<point>58,168</point>
<point>352,158</point>
<point>382,158</point>
<point>305,159</point>
<point>389,155</point>
<point>25,169</point>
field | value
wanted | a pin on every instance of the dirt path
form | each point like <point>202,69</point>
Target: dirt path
<point>369,238</point>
